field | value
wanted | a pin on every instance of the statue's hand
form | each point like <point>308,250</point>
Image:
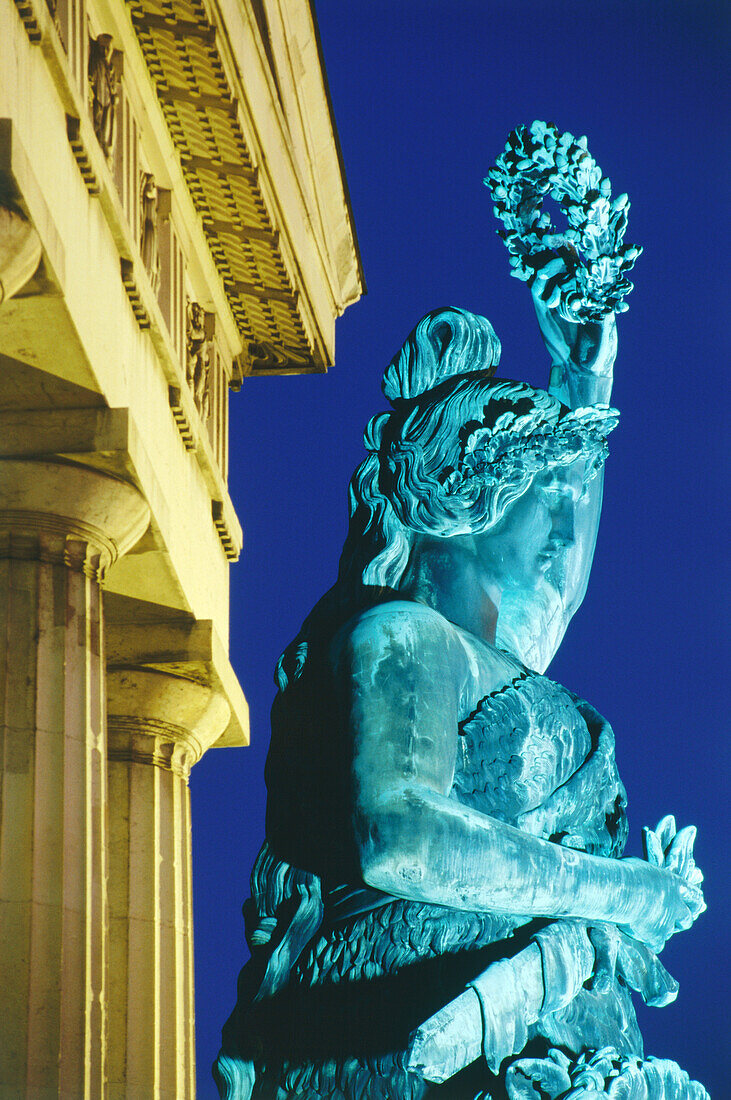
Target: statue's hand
<point>589,347</point>
<point>676,899</point>
<point>619,956</point>
<point>672,850</point>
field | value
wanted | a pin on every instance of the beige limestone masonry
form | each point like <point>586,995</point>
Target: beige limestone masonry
<point>114,477</point>
<point>20,252</point>
<point>61,527</point>
<point>151,1044</point>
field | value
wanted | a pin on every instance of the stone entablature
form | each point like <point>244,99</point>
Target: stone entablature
<point>73,322</point>
<point>281,236</point>
<point>126,89</point>
<point>257,157</point>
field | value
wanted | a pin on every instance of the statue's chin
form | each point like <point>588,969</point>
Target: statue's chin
<point>531,624</point>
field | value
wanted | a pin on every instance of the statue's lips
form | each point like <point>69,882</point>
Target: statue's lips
<point>547,557</point>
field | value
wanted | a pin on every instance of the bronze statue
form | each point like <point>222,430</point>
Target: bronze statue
<point>441,907</point>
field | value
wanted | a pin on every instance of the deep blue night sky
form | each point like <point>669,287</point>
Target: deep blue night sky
<point>424,95</point>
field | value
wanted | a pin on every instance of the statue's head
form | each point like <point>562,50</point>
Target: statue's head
<point>149,187</point>
<point>459,446</point>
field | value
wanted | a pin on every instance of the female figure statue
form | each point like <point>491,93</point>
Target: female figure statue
<point>445,824</point>
<point>149,244</point>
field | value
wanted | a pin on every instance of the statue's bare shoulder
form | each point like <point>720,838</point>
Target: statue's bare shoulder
<point>401,634</point>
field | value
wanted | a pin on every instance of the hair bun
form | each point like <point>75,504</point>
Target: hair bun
<point>445,344</point>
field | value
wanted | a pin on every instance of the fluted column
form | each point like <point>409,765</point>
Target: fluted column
<point>61,526</point>
<point>159,725</point>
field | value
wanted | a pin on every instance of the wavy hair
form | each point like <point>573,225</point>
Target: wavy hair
<point>457,448</point>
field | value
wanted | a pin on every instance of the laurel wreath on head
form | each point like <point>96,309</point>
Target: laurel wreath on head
<point>517,446</point>
<point>540,161</point>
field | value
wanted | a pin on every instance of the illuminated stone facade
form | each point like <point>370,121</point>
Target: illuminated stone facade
<point>173,218</point>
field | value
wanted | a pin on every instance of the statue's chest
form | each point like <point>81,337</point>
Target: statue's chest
<point>518,746</point>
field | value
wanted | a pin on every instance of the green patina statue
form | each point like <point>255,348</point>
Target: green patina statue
<point>440,907</point>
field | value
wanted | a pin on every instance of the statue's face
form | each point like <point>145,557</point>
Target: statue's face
<point>536,532</point>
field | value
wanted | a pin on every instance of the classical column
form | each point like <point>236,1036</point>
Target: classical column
<point>159,726</point>
<point>61,526</point>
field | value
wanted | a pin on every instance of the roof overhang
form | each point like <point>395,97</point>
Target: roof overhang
<point>243,91</point>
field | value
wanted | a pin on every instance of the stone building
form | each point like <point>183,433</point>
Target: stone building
<point>173,219</point>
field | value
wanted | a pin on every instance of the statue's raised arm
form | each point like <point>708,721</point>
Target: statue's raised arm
<point>582,352</point>
<point>578,280</point>
<point>441,895</point>
<point>577,275</point>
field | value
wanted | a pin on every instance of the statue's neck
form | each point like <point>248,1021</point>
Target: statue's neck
<point>444,574</point>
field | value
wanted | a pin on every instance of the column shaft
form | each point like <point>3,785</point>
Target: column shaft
<point>52,840</point>
<point>150,974</point>
<point>158,726</point>
<point>61,526</point>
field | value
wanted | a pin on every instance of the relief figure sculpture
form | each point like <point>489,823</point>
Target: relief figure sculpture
<point>441,907</point>
<point>198,364</point>
<point>104,91</point>
<point>149,242</point>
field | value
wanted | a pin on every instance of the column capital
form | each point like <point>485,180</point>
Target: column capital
<point>68,514</point>
<point>156,718</point>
